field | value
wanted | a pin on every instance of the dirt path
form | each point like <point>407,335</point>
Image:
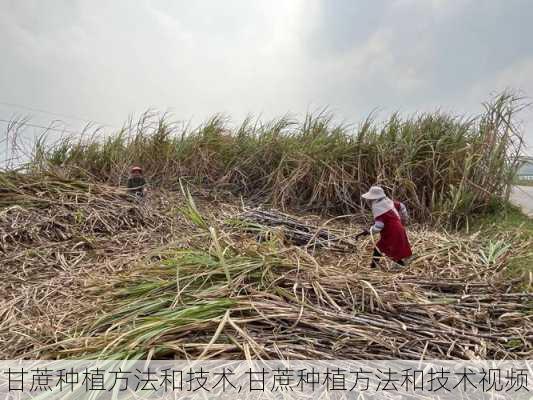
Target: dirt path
<point>522,196</point>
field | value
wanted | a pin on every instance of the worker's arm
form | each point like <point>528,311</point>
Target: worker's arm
<point>404,215</point>
<point>377,227</point>
<point>402,211</point>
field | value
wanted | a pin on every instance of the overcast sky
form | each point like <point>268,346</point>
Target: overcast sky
<point>104,60</point>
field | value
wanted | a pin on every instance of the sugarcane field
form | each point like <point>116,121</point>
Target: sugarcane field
<point>224,256</point>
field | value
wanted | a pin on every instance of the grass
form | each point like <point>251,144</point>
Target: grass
<point>445,168</point>
<point>510,220</point>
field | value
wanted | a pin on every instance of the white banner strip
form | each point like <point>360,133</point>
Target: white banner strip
<point>326,379</point>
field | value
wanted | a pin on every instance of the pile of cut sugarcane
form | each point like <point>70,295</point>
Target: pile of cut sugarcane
<point>84,272</point>
<point>295,231</point>
<point>230,299</point>
<point>55,235</point>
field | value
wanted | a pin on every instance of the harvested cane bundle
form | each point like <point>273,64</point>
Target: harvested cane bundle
<point>37,209</point>
<point>54,234</point>
<point>295,231</point>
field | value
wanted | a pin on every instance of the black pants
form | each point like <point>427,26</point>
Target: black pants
<point>376,256</point>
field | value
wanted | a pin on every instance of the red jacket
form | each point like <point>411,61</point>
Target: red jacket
<point>393,241</point>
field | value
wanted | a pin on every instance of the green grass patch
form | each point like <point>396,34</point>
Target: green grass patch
<point>512,223</point>
<point>508,218</point>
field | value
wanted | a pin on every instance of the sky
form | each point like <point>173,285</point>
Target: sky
<point>100,60</point>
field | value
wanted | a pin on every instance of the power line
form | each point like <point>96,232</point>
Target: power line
<point>53,113</point>
<point>39,126</point>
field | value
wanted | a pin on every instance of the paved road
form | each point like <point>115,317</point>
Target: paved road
<point>522,196</point>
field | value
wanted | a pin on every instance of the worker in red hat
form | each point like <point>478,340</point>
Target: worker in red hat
<point>389,220</point>
<point>136,182</point>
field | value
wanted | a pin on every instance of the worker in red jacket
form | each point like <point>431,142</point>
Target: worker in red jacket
<point>389,220</point>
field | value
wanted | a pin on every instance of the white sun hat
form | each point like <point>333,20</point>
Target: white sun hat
<point>375,193</point>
